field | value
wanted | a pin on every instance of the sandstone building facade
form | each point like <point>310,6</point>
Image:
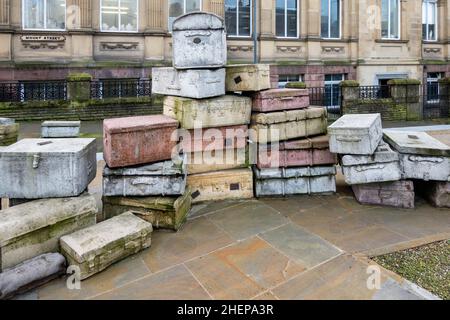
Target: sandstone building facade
<point>320,42</point>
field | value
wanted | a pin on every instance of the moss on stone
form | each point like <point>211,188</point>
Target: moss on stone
<point>79,77</point>
<point>398,82</point>
<point>296,85</point>
<point>349,83</point>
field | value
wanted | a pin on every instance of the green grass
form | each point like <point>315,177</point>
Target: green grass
<point>427,266</point>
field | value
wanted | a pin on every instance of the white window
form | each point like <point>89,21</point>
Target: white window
<point>44,14</point>
<point>238,17</point>
<point>390,19</point>
<point>119,15</point>
<point>180,7</point>
<point>287,18</point>
<point>433,86</point>
<point>283,79</point>
<point>429,20</point>
<point>331,19</point>
<point>333,89</point>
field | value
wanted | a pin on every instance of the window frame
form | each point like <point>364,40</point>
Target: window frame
<point>45,18</point>
<point>299,78</point>
<point>329,22</point>
<point>436,22</point>
<point>120,31</point>
<point>184,12</point>
<point>399,36</point>
<point>237,21</point>
<point>285,21</point>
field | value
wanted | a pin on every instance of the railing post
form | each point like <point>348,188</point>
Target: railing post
<point>79,86</point>
<point>444,97</point>
<point>407,92</point>
<point>349,94</point>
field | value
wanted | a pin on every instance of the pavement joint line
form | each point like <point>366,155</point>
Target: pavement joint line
<point>198,281</point>
<point>262,293</point>
<point>215,211</point>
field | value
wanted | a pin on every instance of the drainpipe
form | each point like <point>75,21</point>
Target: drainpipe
<point>255,31</point>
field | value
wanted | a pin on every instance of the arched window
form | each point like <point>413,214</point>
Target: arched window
<point>44,15</point>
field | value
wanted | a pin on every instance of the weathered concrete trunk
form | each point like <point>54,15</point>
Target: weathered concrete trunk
<point>280,99</point>
<point>47,168</point>
<point>60,129</point>
<point>382,166</point>
<point>139,140</point>
<point>97,247</point>
<point>224,159</point>
<point>357,134</point>
<point>199,41</point>
<point>398,194</point>
<point>209,113</point>
<point>31,274</point>
<point>248,77</point>
<point>34,228</point>
<point>221,185</point>
<point>294,181</point>
<point>161,212</point>
<point>419,143</point>
<point>437,193</point>
<point>286,125</point>
<point>296,153</point>
<point>162,178</point>
<point>9,131</point>
<point>189,83</point>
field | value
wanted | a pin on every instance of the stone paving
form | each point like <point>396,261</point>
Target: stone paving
<point>306,247</point>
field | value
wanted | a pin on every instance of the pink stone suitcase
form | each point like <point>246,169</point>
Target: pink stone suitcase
<point>198,140</point>
<point>399,194</point>
<point>297,153</point>
<point>437,193</point>
<point>139,140</point>
<point>280,99</point>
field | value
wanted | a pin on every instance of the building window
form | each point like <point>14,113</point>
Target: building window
<point>429,20</point>
<point>333,89</point>
<point>390,19</point>
<point>287,18</point>
<point>283,79</point>
<point>331,19</point>
<point>44,14</point>
<point>119,15</point>
<point>238,17</point>
<point>180,7</point>
<point>433,86</point>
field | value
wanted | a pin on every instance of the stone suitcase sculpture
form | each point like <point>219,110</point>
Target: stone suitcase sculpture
<point>138,140</point>
<point>209,113</point>
<point>398,194</point>
<point>95,248</point>
<point>189,83</point>
<point>207,161</point>
<point>9,131</point>
<point>47,168</point>
<point>161,178</point>
<point>161,212</point>
<point>221,185</point>
<point>382,166</point>
<point>293,124</point>
<point>421,156</point>
<point>199,41</point>
<point>358,134</point>
<point>60,129</point>
<point>280,99</point>
<point>297,153</point>
<point>295,181</point>
<point>31,274</point>
<point>248,77</point>
<point>34,228</point>
<point>437,193</point>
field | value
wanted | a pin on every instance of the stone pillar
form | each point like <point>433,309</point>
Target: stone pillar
<point>79,86</point>
<point>407,92</point>
<point>350,94</point>
<point>444,97</point>
<point>266,23</point>
<point>4,13</point>
<point>313,16</point>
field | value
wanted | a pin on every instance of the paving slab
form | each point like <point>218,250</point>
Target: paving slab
<point>300,245</point>
<point>197,237</point>
<point>248,219</point>
<point>202,209</point>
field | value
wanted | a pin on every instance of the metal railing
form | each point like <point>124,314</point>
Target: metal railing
<point>103,89</point>
<point>374,92</point>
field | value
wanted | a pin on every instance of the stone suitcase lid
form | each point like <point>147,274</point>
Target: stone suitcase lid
<point>131,124</point>
<point>319,142</point>
<point>164,168</point>
<point>419,143</point>
<point>234,68</point>
<point>49,147</point>
<point>20,220</point>
<point>61,124</point>
<point>281,93</point>
<point>90,242</point>
<point>299,172</point>
<point>198,21</point>
<point>355,122</point>
<point>382,154</point>
<point>6,121</point>
<point>288,116</point>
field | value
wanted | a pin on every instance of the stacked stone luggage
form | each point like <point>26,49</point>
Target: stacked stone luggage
<point>288,136</point>
<point>213,125</point>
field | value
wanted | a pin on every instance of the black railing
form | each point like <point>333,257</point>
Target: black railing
<point>134,88</point>
<point>33,91</point>
<point>374,92</point>
<point>328,96</point>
